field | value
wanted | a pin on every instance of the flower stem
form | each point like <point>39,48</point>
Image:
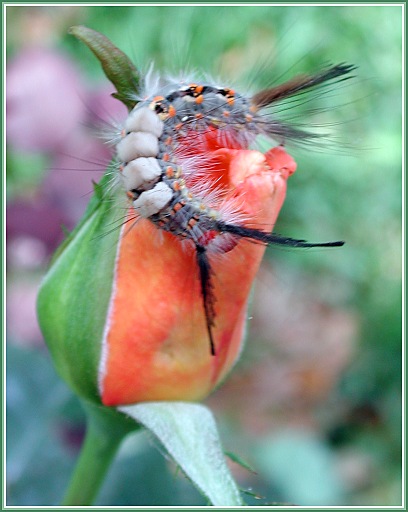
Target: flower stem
<point>106,428</point>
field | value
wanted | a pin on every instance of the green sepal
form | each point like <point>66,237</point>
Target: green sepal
<point>117,67</point>
<point>73,300</point>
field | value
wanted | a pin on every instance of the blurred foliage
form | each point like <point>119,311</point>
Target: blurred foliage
<point>349,190</point>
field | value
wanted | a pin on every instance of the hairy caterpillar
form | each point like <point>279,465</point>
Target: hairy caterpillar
<point>161,181</point>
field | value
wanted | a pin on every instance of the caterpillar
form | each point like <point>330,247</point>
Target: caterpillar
<point>161,184</point>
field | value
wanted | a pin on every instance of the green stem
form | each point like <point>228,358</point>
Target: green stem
<point>106,428</point>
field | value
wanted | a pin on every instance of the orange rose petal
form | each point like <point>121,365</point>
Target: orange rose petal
<point>156,344</point>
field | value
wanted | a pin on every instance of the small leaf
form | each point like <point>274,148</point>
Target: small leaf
<point>118,68</point>
<point>235,458</point>
<point>189,433</point>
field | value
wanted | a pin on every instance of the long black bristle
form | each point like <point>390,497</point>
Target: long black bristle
<point>256,235</point>
<point>206,292</point>
<point>271,238</point>
<point>301,83</point>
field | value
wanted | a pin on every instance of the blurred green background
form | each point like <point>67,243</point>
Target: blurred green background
<point>314,405</point>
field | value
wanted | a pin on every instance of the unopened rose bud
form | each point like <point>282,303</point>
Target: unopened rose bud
<point>135,313</point>
<point>113,307</point>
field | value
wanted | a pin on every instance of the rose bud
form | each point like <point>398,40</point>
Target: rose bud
<point>155,310</point>
<point>114,308</point>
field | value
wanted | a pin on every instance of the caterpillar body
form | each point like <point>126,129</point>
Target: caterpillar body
<point>161,185</point>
